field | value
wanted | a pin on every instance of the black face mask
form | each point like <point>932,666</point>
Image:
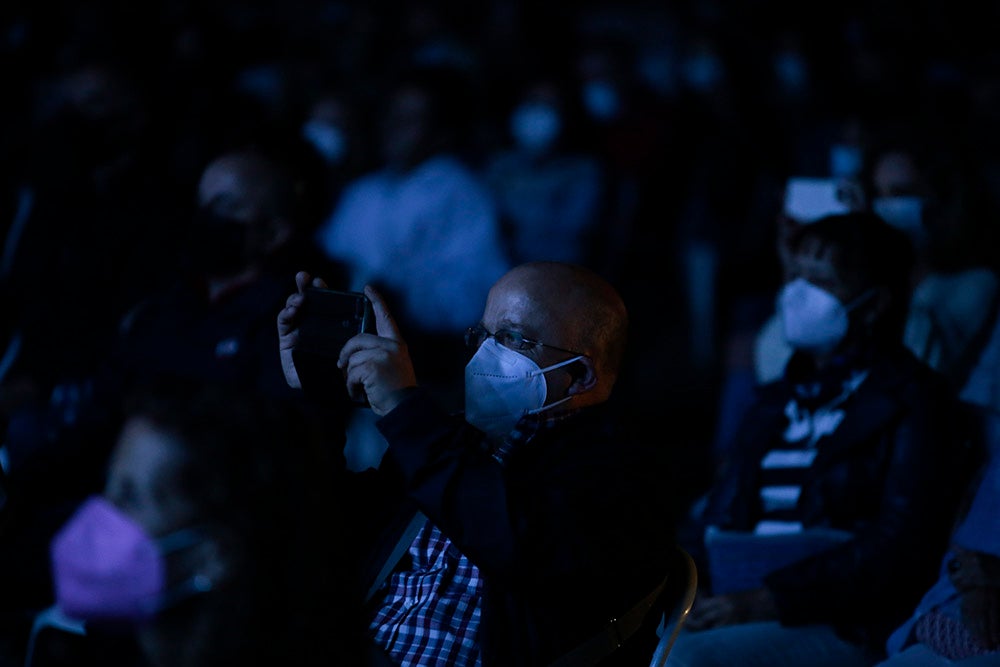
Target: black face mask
<point>217,245</point>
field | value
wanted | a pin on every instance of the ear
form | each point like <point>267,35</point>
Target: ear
<point>584,376</point>
<point>280,232</point>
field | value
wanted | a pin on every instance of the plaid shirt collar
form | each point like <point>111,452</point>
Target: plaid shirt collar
<point>526,429</point>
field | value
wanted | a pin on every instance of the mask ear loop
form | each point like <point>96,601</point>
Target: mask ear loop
<point>553,367</point>
<point>857,302</point>
<point>194,585</point>
<point>864,296</point>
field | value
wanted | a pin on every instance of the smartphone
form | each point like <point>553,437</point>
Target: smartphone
<point>328,318</point>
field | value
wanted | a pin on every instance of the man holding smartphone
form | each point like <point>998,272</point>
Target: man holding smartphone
<point>526,526</point>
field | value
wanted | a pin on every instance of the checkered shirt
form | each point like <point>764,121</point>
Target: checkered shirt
<point>430,612</point>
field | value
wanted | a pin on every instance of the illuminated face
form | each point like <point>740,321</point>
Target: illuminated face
<point>141,478</point>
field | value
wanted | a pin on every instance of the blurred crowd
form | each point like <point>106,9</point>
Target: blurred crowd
<point>426,147</point>
<point>689,117</point>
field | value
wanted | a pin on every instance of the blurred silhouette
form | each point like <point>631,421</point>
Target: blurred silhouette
<point>423,227</point>
<point>212,321</point>
<point>551,194</point>
<point>215,541</point>
<point>940,201</point>
<point>956,622</point>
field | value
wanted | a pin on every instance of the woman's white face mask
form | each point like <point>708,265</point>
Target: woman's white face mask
<point>502,386</point>
<point>813,319</point>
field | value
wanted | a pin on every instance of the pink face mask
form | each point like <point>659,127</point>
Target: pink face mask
<point>105,566</point>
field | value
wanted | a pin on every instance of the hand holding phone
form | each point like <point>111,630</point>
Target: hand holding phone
<point>378,368</point>
<point>327,319</point>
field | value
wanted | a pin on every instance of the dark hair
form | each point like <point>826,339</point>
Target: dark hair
<point>875,253</point>
<point>959,208</point>
<point>454,102</point>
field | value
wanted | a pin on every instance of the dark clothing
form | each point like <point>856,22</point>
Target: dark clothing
<point>231,340</point>
<point>890,474</point>
<point>567,536</point>
<point>177,332</point>
<point>173,331</point>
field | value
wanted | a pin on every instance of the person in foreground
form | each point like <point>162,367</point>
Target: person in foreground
<point>537,525</point>
<point>843,477</point>
<point>205,547</point>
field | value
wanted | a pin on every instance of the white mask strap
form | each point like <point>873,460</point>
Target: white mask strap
<point>864,296</point>
<point>567,362</point>
<point>550,405</point>
<point>546,370</point>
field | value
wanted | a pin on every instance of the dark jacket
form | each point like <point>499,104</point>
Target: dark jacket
<point>890,474</point>
<point>567,536</point>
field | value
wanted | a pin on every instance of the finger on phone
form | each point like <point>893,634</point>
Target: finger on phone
<point>385,324</point>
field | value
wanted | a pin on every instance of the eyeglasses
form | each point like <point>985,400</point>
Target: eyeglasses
<point>475,336</point>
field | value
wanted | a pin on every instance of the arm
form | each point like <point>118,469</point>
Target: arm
<point>711,611</point>
<point>976,575</point>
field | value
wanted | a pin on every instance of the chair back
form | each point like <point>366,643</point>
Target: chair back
<point>53,637</point>
<point>653,621</point>
<point>678,599</point>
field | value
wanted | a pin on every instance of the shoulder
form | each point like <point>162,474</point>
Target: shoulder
<point>449,171</point>
<point>969,285</point>
<point>363,185</point>
<point>169,299</point>
<point>899,369</point>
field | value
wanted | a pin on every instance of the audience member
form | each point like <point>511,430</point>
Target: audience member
<point>87,195</point>
<point>79,216</point>
<point>551,194</point>
<point>423,227</point>
<point>756,349</point>
<point>715,236</point>
<point>537,525</point>
<point>213,321</point>
<point>954,623</point>
<point>333,150</point>
<point>631,130</point>
<point>424,213</point>
<point>957,622</point>
<point>944,211</point>
<point>236,266</point>
<point>941,205</point>
<point>215,541</point>
<point>839,487</point>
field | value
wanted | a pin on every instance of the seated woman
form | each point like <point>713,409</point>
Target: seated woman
<point>958,620</point>
<point>841,481</point>
<point>213,542</point>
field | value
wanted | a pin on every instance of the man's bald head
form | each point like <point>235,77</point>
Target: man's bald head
<point>246,185</point>
<point>571,307</point>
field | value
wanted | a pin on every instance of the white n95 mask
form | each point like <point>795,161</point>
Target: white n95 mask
<point>501,386</point>
<point>328,140</point>
<point>535,127</point>
<point>812,319</point>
